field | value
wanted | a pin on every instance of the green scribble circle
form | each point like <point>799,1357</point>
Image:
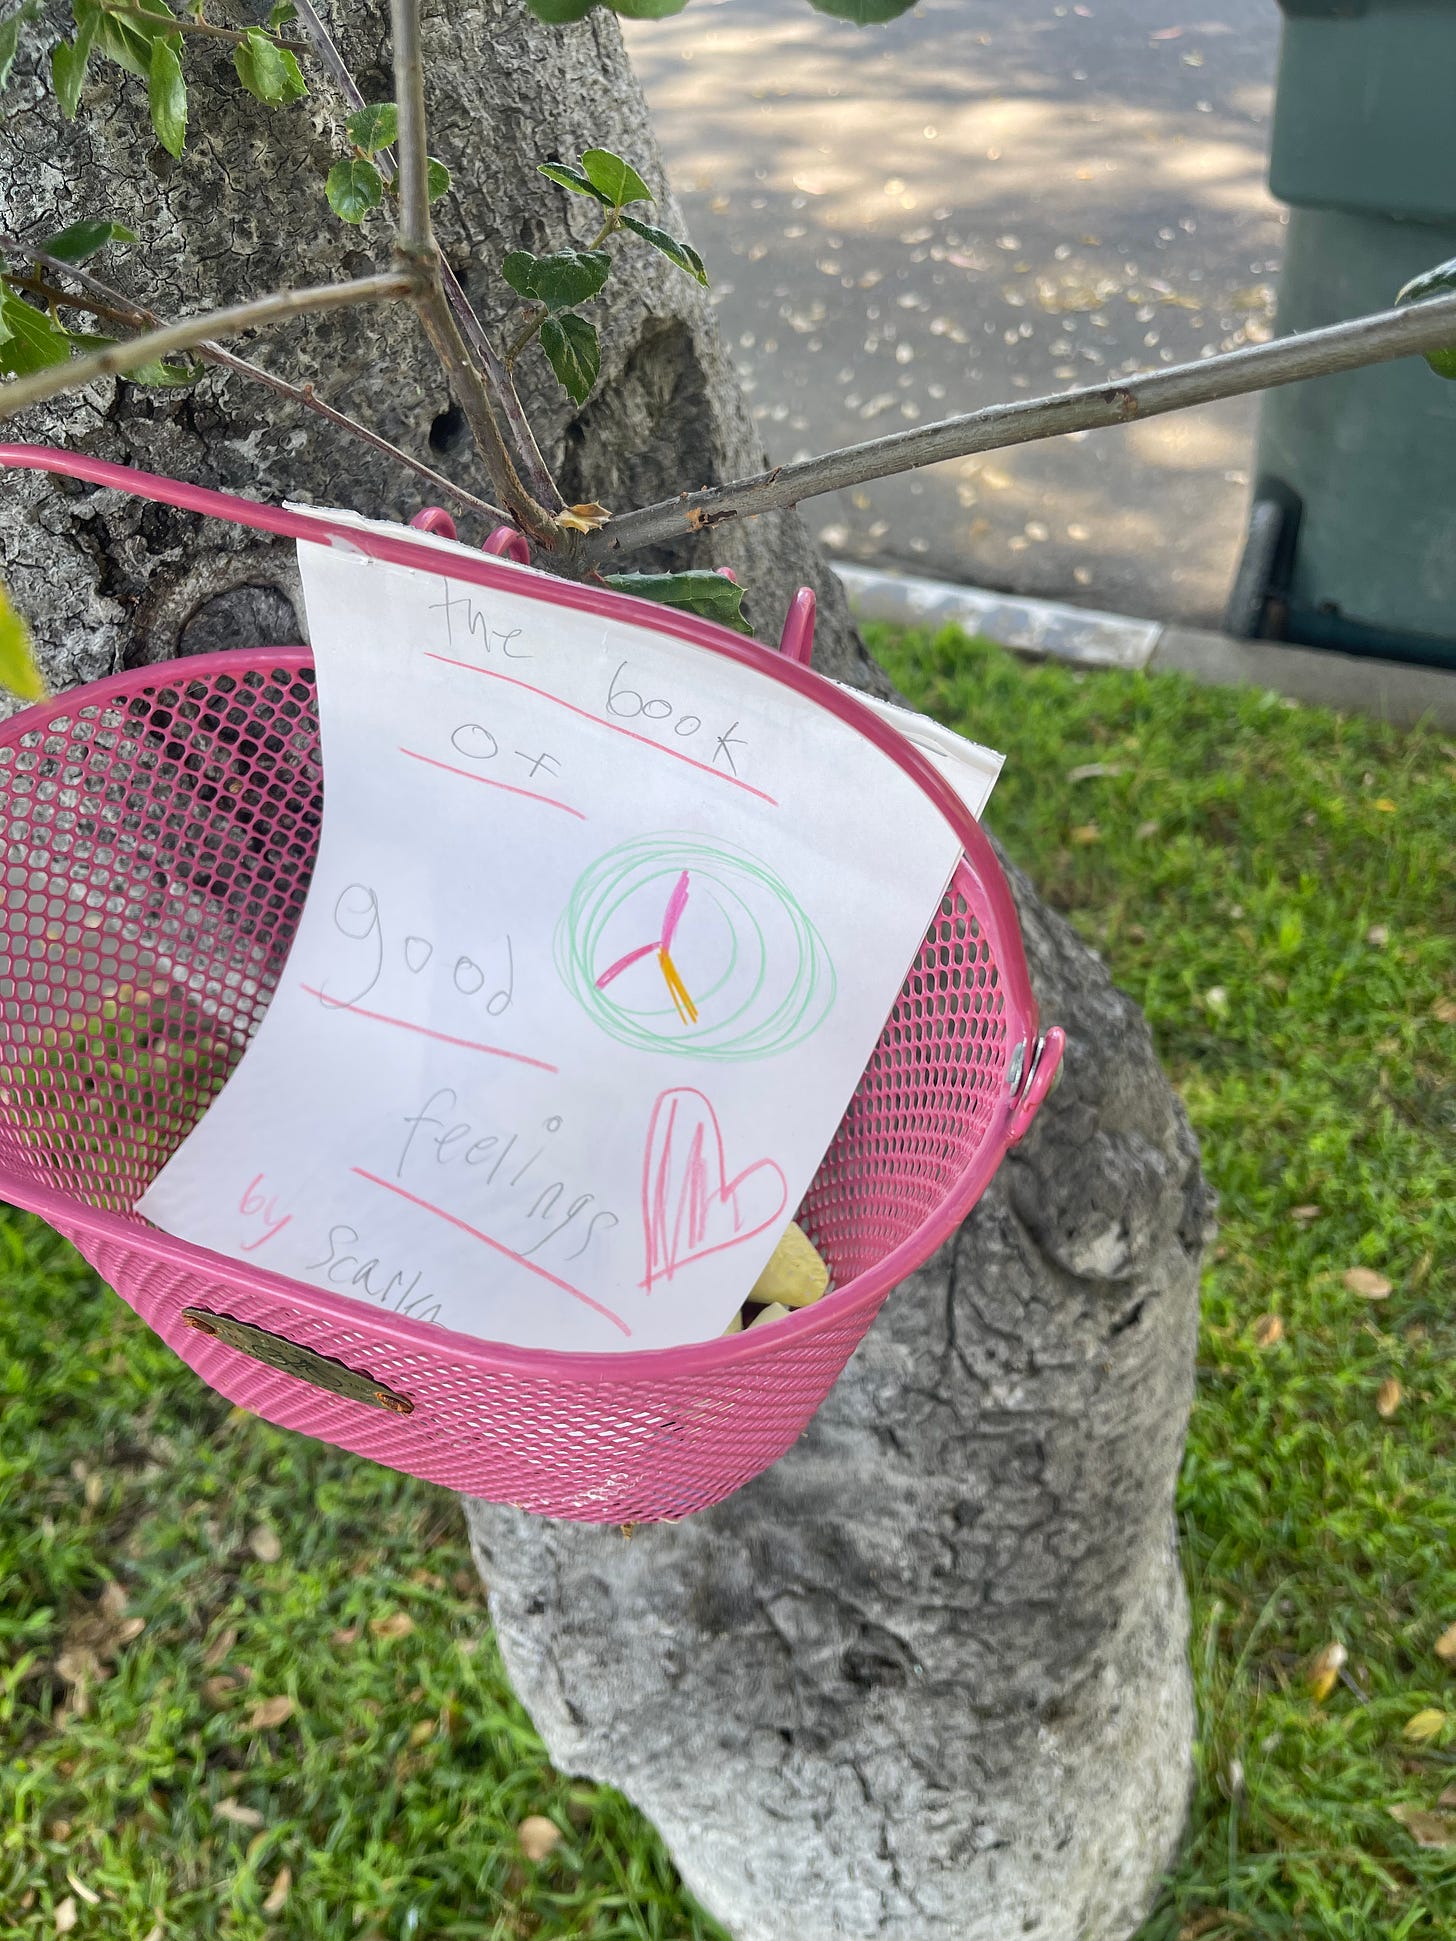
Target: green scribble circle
<point>800,988</point>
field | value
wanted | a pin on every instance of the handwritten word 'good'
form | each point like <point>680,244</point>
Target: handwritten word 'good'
<point>357,916</point>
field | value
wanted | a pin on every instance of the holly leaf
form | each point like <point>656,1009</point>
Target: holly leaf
<point>560,13</point>
<point>19,671</point>
<point>69,60</point>
<point>29,341</point>
<point>10,35</point>
<point>78,242</point>
<point>160,376</point>
<point>708,594</point>
<point>167,97</point>
<point>374,127</point>
<point>863,13</point>
<point>1439,282</point>
<point>575,353</point>
<point>570,177</point>
<point>267,70</point>
<point>683,254</point>
<point>616,181</point>
<point>561,280</point>
<point>354,188</point>
<point>437,179</point>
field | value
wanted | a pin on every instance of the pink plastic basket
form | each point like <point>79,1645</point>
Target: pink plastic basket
<point>158,831</point>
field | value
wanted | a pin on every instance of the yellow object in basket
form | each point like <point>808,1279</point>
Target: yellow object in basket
<point>795,1275</point>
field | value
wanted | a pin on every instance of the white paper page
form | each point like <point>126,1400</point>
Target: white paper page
<point>971,769</point>
<point>602,933</point>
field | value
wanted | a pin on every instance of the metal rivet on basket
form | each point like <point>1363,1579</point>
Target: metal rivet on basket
<point>1015,1065</point>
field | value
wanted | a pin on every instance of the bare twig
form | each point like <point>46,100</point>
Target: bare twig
<point>500,390</point>
<point>419,253</point>
<point>1317,353</point>
<point>98,299</point>
<point>117,359</point>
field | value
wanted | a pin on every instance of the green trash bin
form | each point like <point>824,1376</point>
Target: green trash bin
<point>1352,535</point>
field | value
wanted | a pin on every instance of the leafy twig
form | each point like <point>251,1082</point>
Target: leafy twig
<point>117,359</point>
<point>194,24</point>
<point>501,392</point>
<point>98,299</point>
<point>1374,339</point>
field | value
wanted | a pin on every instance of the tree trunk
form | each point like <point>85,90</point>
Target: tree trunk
<point>927,1677</point>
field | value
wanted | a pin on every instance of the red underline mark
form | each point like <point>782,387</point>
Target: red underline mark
<point>471,776</point>
<point>602,722</point>
<point>530,1266</point>
<point>443,1037</point>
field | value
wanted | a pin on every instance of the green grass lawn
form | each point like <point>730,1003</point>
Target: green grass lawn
<point>247,1685</point>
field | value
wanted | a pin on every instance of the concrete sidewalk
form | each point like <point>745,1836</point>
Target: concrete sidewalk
<point>1046,629</point>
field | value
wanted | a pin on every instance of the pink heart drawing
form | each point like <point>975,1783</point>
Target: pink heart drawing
<point>690,1207</point>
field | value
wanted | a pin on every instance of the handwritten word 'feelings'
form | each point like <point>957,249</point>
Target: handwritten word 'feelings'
<point>505,1171</point>
<point>357,916</point>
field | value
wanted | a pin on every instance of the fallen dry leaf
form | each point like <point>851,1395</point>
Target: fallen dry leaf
<point>1365,1282</point>
<point>1324,1669</point>
<point>1086,833</point>
<point>583,518</point>
<point>1444,1011</point>
<point>91,1898</point>
<point>221,1645</point>
<point>271,1711</point>
<point>278,1893</point>
<point>538,1836</point>
<point>422,1730</point>
<point>1388,1397</point>
<point>217,1691</point>
<point>1445,1645</point>
<point>112,1601</point>
<point>1268,1329</point>
<point>265,1544</point>
<point>1304,1214</point>
<point>236,1815</point>
<point>1448,1798</point>
<point>154,1933</point>
<point>348,1635</point>
<point>1377,936</point>
<point>1385,805</point>
<point>1145,831</point>
<point>1425,1726</point>
<point>65,1914</point>
<point>398,1624</point>
<point>1426,1829</point>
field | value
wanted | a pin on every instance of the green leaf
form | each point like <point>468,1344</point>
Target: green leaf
<point>78,242</point>
<point>129,40</point>
<point>561,280</point>
<point>31,342</point>
<point>18,669</point>
<point>160,376</point>
<point>267,70</point>
<point>1439,282</point>
<point>863,13</point>
<point>559,13</point>
<point>575,353</point>
<point>279,15</point>
<point>708,594</point>
<point>437,179</point>
<point>683,254</point>
<point>646,9</point>
<point>167,97</point>
<point>518,268</point>
<point>374,127</point>
<point>571,178</point>
<point>10,35</point>
<point>69,59</point>
<point>616,181</point>
<point>353,189</point>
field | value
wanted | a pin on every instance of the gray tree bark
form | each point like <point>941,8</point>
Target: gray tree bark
<point>927,1677</point>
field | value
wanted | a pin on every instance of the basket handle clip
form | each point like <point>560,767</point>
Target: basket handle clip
<point>1046,1063</point>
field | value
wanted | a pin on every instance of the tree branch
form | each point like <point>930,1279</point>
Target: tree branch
<point>500,390</point>
<point>100,300</point>
<point>419,253</point>
<point>117,359</point>
<point>1317,353</point>
<point>234,36</point>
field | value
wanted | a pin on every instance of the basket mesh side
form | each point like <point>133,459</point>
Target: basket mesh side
<point>157,839</point>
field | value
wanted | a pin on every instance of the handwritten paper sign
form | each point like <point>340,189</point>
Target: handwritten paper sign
<point>602,933</point>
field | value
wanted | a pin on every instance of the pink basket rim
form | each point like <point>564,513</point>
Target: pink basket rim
<point>993,909</point>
